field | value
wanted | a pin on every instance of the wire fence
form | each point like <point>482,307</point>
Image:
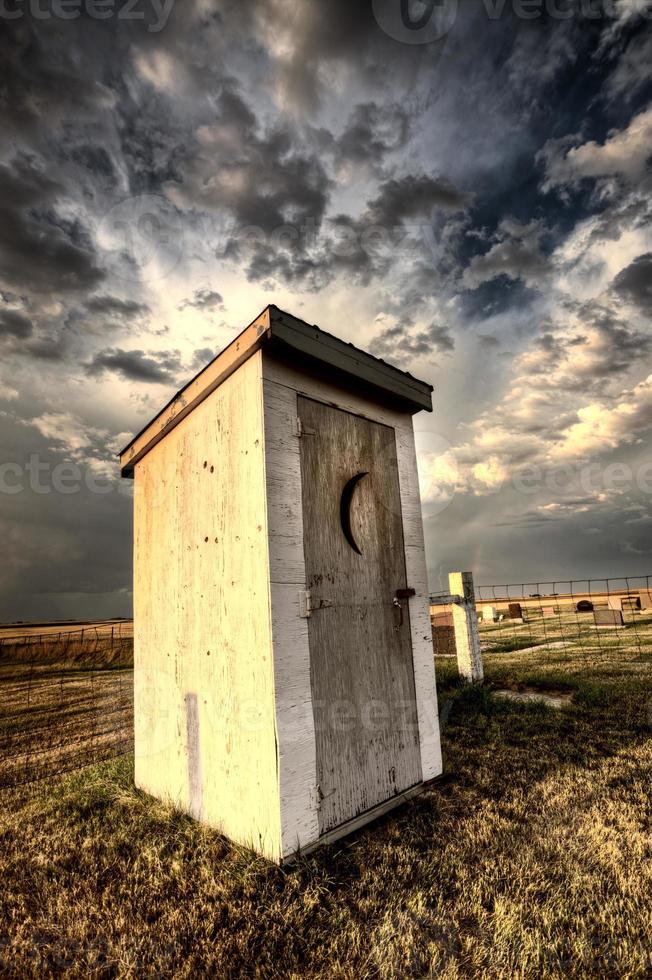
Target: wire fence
<point>66,691</point>
<point>585,618</point>
<point>65,699</point>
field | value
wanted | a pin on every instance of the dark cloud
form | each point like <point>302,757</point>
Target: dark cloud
<point>41,251</point>
<point>135,365</point>
<point>516,253</point>
<point>15,324</point>
<point>621,343</point>
<point>488,340</point>
<point>203,299</point>
<point>414,196</point>
<point>258,176</point>
<point>310,151</point>
<point>371,134</point>
<point>95,159</point>
<point>201,358</point>
<point>401,344</point>
<point>46,77</point>
<point>634,283</point>
<point>113,306</point>
<point>317,41</point>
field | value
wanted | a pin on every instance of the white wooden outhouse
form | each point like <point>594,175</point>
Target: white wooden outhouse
<point>284,673</point>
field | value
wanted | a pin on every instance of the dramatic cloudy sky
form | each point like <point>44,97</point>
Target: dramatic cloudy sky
<point>475,209</point>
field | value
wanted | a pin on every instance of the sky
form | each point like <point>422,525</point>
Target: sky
<point>460,188</point>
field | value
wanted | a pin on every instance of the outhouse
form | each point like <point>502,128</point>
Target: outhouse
<point>284,673</point>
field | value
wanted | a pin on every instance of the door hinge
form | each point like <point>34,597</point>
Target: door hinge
<point>317,796</point>
<point>303,430</point>
<point>305,609</point>
<point>307,604</point>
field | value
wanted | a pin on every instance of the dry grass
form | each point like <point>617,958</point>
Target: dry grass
<point>533,858</point>
<point>63,704</point>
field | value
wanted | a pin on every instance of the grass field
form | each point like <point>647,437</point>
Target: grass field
<point>531,858</point>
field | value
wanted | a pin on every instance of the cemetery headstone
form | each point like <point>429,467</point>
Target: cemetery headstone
<point>608,617</point>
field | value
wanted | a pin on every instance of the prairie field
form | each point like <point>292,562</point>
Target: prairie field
<point>531,857</point>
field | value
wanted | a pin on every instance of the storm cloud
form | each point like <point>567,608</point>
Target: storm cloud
<point>475,210</point>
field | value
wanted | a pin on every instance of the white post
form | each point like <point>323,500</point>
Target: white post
<point>465,623</point>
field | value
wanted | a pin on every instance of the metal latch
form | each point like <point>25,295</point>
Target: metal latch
<point>307,604</point>
<point>398,595</point>
<point>405,593</point>
<point>303,430</point>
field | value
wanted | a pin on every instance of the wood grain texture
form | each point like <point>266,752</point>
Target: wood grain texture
<point>294,712</point>
<point>465,623</point>
<point>199,388</point>
<point>202,617</point>
<point>361,658</point>
<point>281,377</point>
<point>415,562</point>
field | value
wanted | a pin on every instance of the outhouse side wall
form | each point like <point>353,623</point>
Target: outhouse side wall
<point>295,723</point>
<point>204,682</point>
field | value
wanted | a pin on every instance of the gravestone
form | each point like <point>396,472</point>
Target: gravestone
<point>489,614</point>
<point>611,618</point>
<point>443,634</point>
<point>585,606</point>
<point>515,611</point>
<point>548,612</point>
<point>631,603</point>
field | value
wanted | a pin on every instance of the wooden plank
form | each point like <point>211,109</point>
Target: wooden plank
<point>361,663</point>
<point>297,340</point>
<point>281,376</point>
<point>337,355</point>
<point>203,619</point>
<point>295,729</point>
<point>194,393</point>
<point>425,683</point>
<point>358,822</point>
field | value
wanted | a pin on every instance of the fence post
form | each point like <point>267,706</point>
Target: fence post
<point>465,624</point>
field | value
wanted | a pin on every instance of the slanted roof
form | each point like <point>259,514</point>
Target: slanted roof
<point>301,344</point>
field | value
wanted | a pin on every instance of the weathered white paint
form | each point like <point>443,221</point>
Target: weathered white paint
<point>282,384</point>
<point>465,624</point>
<point>224,715</point>
<point>204,679</point>
<point>295,722</point>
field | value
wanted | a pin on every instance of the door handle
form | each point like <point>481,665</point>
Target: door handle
<point>397,603</point>
<point>398,595</point>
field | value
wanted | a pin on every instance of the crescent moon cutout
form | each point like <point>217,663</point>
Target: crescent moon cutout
<point>345,509</point>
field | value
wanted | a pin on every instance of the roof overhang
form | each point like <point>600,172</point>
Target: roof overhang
<point>299,342</point>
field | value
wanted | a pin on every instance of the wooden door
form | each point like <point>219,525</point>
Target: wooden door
<point>362,674</point>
